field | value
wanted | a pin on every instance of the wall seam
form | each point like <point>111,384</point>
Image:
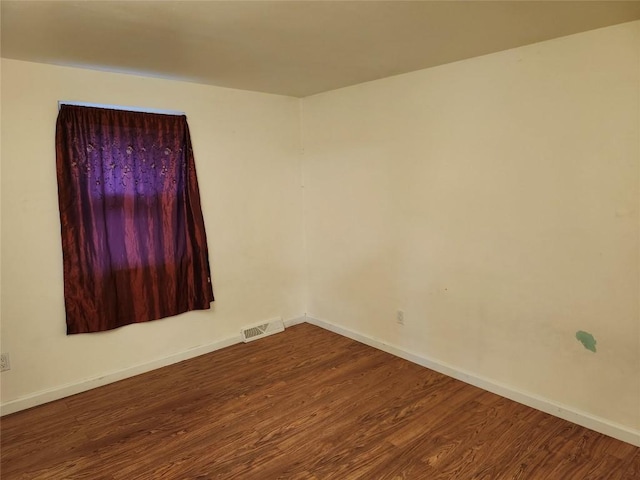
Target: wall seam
<point>303,197</point>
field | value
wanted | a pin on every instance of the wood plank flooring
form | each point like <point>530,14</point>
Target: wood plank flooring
<point>303,404</point>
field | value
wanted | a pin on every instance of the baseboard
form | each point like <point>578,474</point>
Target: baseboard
<point>295,321</point>
<point>56,393</point>
<point>531,400</point>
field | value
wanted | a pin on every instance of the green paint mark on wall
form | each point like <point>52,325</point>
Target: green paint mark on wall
<point>587,340</point>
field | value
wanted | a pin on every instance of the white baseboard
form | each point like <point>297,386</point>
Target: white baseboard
<point>295,321</point>
<point>584,419</point>
<point>562,411</point>
<point>56,393</point>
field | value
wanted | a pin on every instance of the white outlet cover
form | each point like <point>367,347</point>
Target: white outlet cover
<point>5,364</point>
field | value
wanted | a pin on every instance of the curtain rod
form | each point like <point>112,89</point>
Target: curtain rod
<point>120,107</point>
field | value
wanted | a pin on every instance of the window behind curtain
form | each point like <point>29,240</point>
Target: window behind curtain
<point>133,239</point>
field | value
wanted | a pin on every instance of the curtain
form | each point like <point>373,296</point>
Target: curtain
<point>133,238</point>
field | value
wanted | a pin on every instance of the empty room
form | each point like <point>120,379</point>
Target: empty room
<point>320,240</point>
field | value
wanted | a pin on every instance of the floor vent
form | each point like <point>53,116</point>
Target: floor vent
<point>254,332</point>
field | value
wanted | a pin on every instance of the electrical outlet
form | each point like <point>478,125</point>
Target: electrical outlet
<point>4,362</point>
<point>400,317</point>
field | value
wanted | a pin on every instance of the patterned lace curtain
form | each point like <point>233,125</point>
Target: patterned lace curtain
<point>133,238</point>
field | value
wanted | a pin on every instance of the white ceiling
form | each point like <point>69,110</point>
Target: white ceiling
<point>295,48</point>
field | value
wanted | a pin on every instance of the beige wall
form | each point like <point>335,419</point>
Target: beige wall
<point>247,156</point>
<point>495,201</point>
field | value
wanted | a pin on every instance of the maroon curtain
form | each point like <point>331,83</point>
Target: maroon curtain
<point>133,239</point>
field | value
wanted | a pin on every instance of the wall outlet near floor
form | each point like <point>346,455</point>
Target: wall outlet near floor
<point>400,317</point>
<point>4,362</point>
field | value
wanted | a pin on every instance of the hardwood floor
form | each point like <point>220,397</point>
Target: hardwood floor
<point>303,404</point>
